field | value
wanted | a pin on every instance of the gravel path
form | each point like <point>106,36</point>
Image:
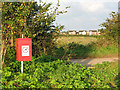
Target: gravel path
<point>91,62</point>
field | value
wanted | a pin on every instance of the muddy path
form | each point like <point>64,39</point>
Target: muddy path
<point>92,62</point>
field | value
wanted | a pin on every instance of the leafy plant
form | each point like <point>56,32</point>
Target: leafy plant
<point>60,74</point>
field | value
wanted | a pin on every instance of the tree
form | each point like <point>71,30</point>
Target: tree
<point>43,31</point>
<point>33,21</point>
<point>110,33</point>
<point>15,17</point>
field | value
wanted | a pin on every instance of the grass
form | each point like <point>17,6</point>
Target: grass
<point>62,40</point>
<point>82,47</point>
<point>104,52</point>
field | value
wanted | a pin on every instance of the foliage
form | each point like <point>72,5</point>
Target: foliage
<point>15,21</point>
<point>43,31</point>
<point>77,50</point>
<point>10,56</point>
<point>36,22</point>
<point>110,31</point>
<point>108,73</point>
<point>60,74</point>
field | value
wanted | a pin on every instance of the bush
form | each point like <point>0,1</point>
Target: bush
<point>60,74</point>
<point>10,56</point>
<point>110,33</point>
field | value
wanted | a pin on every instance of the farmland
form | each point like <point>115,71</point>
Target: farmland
<point>64,40</point>
<point>83,47</point>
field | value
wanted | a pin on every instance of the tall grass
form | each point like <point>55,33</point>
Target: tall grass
<point>108,51</point>
<point>83,47</point>
<point>64,40</point>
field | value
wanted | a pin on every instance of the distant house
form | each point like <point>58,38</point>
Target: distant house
<point>77,33</point>
<point>72,32</point>
<point>62,33</point>
<point>87,33</point>
<point>92,32</point>
<point>83,32</point>
<point>80,32</point>
<point>98,33</point>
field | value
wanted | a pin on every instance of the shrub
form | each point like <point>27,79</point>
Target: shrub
<point>60,74</point>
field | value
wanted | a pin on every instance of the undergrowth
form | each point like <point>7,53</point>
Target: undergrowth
<point>42,73</point>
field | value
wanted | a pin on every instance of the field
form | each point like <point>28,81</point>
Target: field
<point>64,40</point>
<point>82,47</point>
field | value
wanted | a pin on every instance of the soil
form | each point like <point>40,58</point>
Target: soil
<point>90,62</point>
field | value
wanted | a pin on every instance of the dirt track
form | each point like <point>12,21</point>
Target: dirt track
<point>91,62</point>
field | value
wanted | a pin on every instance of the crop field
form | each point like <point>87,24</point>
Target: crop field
<point>62,40</point>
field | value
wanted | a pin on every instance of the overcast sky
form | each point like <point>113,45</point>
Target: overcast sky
<point>84,14</point>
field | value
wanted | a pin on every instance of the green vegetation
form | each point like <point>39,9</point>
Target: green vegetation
<point>53,73</point>
<point>83,47</point>
<point>48,68</point>
<point>105,45</point>
<point>64,40</point>
<point>36,22</point>
<point>110,33</point>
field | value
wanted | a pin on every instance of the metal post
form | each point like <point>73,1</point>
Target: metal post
<point>21,66</point>
<point>22,35</point>
<point>22,62</point>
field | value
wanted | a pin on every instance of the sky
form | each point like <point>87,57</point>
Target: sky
<point>84,14</point>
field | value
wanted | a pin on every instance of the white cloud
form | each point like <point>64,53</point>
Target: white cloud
<point>92,6</point>
<point>93,19</point>
<point>84,14</point>
<point>107,10</point>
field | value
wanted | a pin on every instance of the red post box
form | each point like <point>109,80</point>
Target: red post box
<point>24,49</point>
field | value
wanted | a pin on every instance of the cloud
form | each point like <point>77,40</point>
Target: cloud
<point>93,19</point>
<point>86,15</point>
<point>83,14</point>
<point>92,6</point>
